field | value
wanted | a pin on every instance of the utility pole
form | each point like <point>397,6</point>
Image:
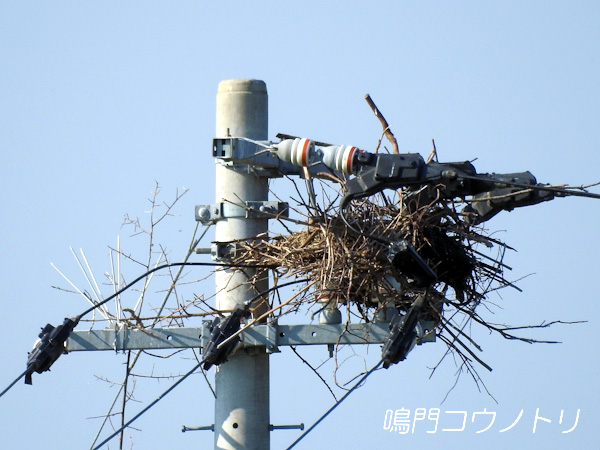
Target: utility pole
<point>242,384</point>
<point>241,212</point>
<point>245,161</point>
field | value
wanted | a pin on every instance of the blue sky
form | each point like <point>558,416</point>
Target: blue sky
<point>98,101</point>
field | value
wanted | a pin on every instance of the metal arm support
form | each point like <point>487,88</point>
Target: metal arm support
<point>270,336</point>
<point>491,193</point>
<point>455,179</point>
<point>241,153</point>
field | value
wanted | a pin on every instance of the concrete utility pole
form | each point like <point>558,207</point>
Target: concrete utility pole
<point>242,384</point>
<point>242,418</point>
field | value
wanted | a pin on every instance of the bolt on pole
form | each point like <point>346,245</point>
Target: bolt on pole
<point>242,384</point>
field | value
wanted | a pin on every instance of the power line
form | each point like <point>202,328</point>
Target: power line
<point>159,398</point>
<point>13,383</point>
<point>45,357</point>
<point>204,360</point>
<point>166,266</point>
<point>561,191</point>
<point>194,243</point>
<point>336,404</point>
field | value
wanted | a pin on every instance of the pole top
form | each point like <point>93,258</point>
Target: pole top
<point>242,85</point>
<point>242,109</point>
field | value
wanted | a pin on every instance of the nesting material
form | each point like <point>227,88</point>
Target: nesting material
<point>358,260</point>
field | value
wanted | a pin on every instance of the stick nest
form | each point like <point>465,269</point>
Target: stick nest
<point>351,261</point>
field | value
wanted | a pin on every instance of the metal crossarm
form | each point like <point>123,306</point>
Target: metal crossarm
<point>270,336</point>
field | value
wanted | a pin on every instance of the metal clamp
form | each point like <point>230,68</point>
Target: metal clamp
<point>223,251</point>
<point>244,155</point>
<point>205,334</point>
<point>207,214</point>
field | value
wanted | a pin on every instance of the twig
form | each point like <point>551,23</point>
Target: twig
<point>386,128</point>
<point>433,156</point>
<point>314,370</point>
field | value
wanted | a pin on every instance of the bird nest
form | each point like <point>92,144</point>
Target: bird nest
<point>378,254</point>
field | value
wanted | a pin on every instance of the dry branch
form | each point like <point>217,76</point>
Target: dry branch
<point>386,128</point>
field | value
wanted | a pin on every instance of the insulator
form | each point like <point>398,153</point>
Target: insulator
<point>340,158</point>
<point>300,151</point>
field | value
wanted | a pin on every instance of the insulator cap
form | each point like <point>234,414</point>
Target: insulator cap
<point>299,151</point>
<point>340,158</point>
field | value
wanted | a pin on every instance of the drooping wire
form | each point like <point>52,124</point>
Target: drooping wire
<point>13,383</point>
<point>247,304</point>
<point>128,286</point>
<point>166,266</point>
<point>159,398</point>
<point>336,404</point>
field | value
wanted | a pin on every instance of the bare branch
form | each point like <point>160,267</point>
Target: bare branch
<point>386,128</point>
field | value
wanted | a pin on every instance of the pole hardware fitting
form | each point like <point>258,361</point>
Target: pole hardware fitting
<point>272,427</point>
<point>201,428</point>
<point>270,335</point>
<point>48,348</point>
<point>245,155</point>
<point>271,338</point>
<point>230,149</point>
<point>205,335</point>
<point>300,426</point>
<point>223,251</point>
<point>208,214</point>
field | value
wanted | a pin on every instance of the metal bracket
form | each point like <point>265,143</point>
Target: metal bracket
<point>205,334</point>
<point>300,426</point>
<point>201,428</point>
<point>271,336</point>
<point>244,155</point>
<point>272,427</point>
<point>223,251</point>
<point>232,149</point>
<point>207,214</point>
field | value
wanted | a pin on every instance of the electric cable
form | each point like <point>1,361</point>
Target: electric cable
<point>165,266</point>
<point>190,372</point>
<point>336,404</point>
<point>13,383</point>
<point>204,359</point>
<point>43,360</point>
<point>559,191</point>
<point>159,398</point>
<point>193,245</point>
<point>538,187</point>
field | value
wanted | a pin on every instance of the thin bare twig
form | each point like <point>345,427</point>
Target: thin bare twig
<point>386,128</point>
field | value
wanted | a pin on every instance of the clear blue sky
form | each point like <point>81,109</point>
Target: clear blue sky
<point>100,100</point>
